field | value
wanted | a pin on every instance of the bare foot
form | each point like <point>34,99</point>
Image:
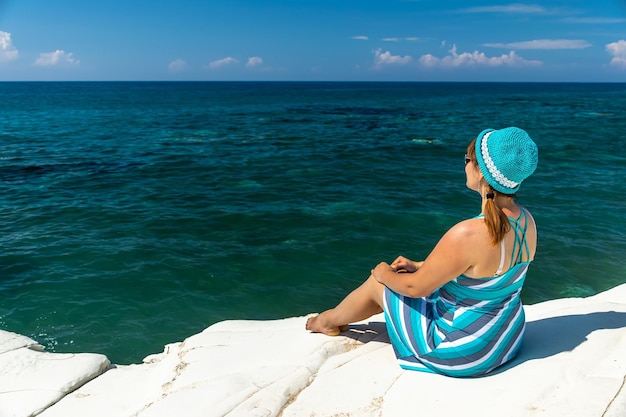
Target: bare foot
<point>316,324</point>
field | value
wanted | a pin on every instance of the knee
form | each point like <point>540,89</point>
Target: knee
<point>377,290</point>
<point>372,281</point>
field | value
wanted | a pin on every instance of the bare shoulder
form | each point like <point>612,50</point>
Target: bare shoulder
<point>467,229</point>
<point>456,252</point>
<point>530,233</point>
<point>529,217</point>
<point>465,237</point>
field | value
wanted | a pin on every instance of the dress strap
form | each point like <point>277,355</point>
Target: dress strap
<point>520,244</point>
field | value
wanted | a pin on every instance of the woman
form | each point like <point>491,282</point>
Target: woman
<point>459,311</point>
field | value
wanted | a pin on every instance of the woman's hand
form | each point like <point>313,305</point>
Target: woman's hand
<point>380,270</point>
<point>402,264</point>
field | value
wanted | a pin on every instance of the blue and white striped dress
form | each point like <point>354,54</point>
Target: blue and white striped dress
<point>467,327</point>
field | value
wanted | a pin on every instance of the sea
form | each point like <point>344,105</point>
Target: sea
<point>136,214</point>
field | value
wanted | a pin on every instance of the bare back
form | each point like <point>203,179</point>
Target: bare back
<point>520,244</point>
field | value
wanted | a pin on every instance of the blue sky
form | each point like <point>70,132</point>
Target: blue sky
<point>313,40</point>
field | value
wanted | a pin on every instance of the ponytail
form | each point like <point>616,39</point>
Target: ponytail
<point>496,221</point>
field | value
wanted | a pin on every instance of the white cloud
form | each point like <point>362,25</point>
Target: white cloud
<point>618,51</point>
<point>543,44</point>
<point>221,62</point>
<point>385,58</point>
<point>58,57</point>
<point>360,38</point>
<point>410,39</point>
<point>254,61</point>
<point>7,51</point>
<point>510,8</point>
<point>177,65</point>
<point>475,58</point>
<point>429,60</point>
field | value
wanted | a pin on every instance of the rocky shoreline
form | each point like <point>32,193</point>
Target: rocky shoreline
<point>572,363</point>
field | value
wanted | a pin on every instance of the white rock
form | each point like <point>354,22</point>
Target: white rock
<point>573,363</point>
<point>11,341</point>
<point>31,380</point>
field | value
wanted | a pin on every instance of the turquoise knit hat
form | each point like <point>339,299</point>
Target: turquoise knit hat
<point>506,157</point>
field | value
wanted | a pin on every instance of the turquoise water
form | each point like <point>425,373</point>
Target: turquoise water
<point>136,214</point>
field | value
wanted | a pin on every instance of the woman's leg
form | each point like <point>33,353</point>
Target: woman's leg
<point>363,302</point>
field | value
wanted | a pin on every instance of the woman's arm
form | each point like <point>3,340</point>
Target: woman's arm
<point>454,254</point>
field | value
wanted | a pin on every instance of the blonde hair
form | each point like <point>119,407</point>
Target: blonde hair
<point>496,221</point>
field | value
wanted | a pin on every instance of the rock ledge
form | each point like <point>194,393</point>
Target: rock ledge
<point>572,363</point>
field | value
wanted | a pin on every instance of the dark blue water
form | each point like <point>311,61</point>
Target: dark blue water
<point>136,214</point>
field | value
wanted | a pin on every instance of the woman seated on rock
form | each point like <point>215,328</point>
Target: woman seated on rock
<point>459,311</point>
